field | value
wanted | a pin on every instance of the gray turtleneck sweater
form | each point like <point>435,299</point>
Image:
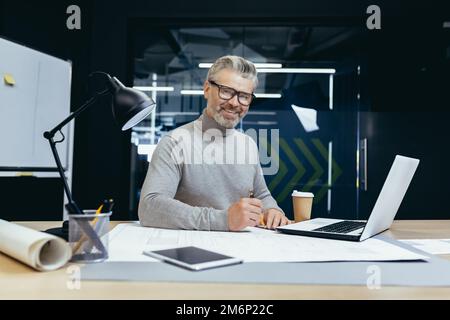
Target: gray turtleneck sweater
<point>196,173</point>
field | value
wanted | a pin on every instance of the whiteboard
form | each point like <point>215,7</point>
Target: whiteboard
<point>37,102</point>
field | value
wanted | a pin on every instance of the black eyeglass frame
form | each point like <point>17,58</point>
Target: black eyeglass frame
<point>235,93</point>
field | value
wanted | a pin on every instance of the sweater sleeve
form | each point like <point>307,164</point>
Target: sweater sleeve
<point>263,193</point>
<point>260,186</point>
<point>157,206</point>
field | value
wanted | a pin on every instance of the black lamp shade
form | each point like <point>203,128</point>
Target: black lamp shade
<point>129,106</point>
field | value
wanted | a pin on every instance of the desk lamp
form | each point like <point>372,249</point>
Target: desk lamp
<point>129,107</point>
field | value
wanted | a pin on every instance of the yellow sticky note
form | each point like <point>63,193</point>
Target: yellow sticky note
<point>9,79</point>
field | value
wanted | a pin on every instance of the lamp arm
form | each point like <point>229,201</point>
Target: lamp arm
<point>87,104</point>
<point>72,207</point>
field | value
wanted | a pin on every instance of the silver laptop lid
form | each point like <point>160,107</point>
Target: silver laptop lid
<point>391,196</point>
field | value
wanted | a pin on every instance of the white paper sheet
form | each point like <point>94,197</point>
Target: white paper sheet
<point>433,246</point>
<point>307,117</point>
<point>42,251</point>
<point>128,241</point>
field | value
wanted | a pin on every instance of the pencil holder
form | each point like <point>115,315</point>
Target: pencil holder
<point>88,236</point>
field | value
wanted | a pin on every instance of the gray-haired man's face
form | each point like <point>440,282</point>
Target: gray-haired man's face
<point>227,113</point>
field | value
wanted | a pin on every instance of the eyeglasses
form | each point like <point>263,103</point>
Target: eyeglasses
<point>228,93</point>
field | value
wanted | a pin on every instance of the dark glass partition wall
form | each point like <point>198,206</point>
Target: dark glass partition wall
<point>306,111</point>
<point>405,108</point>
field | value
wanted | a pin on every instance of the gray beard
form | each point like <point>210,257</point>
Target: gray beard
<point>229,124</point>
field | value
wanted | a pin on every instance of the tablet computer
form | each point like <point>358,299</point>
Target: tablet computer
<point>193,258</point>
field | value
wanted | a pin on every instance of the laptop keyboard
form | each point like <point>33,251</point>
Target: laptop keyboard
<point>341,227</point>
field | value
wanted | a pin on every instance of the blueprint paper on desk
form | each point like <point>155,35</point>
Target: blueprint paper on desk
<point>433,246</point>
<point>127,242</point>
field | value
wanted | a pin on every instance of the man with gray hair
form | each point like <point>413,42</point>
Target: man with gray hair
<point>206,175</point>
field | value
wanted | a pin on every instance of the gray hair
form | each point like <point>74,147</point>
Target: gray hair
<point>244,67</point>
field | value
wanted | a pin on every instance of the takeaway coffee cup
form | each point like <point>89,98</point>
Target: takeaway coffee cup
<point>302,202</point>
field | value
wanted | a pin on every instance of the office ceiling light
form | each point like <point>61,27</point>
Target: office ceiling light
<point>150,89</point>
<point>258,95</point>
<point>268,95</point>
<point>298,70</point>
<point>278,68</point>
<point>192,92</point>
<point>257,65</point>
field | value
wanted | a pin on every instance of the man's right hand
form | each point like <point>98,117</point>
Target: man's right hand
<point>244,213</point>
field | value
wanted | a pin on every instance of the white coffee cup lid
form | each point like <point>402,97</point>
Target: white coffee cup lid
<point>296,193</point>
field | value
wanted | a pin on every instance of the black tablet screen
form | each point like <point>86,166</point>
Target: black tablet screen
<point>191,255</point>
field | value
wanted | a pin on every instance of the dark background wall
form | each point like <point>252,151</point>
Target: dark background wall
<point>43,26</point>
<point>101,165</point>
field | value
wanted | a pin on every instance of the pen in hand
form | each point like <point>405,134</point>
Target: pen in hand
<point>251,194</point>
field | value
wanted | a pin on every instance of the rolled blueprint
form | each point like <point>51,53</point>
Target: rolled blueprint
<point>39,250</point>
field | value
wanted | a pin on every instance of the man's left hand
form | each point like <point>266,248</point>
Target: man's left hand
<point>274,218</point>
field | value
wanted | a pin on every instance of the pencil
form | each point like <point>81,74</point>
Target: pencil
<point>84,237</point>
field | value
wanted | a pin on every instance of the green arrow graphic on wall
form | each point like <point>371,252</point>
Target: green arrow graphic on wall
<point>300,170</point>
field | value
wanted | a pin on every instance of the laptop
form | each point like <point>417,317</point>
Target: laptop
<point>381,218</point>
